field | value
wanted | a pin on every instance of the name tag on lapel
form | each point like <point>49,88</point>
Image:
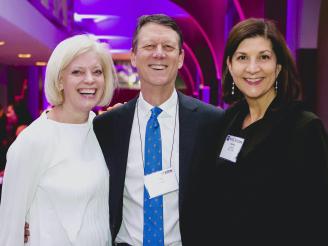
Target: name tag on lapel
<point>231,148</point>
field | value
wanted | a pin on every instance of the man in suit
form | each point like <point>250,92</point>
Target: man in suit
<point>188,140</point>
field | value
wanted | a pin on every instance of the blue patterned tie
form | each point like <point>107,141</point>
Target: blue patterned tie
<point>153,208</point>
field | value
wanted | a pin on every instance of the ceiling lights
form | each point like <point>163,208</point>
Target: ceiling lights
<point>24,56</point>
<point>95,18</point>
<point>40,63</point>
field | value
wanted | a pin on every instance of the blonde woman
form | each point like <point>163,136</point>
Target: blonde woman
<point>56,178</point>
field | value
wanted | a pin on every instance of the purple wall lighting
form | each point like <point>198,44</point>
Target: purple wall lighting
<point>60,14</point>
<point>115,21</point>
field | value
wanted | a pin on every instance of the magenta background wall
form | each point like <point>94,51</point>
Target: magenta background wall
<point>205,25</point>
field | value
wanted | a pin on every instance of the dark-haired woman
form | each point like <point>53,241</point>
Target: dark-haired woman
<point>272,167</point>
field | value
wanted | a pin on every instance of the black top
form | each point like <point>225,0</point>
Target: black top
<point>277,191</point>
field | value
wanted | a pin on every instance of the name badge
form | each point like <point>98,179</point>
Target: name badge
<point>231,148</point>
<point>161,182</point>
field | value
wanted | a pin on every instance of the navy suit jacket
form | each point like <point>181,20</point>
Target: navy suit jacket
<point>199,127</point>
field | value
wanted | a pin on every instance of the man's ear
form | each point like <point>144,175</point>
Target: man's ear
<point>133,58</point>
<point>181,58</point>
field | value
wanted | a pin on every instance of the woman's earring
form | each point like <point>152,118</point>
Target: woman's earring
<point>233,88</point>
<point>276,87</point>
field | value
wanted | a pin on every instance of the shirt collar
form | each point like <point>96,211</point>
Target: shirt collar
<point>168,107</point>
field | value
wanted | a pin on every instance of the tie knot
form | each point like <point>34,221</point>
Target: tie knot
<point>155,111</point>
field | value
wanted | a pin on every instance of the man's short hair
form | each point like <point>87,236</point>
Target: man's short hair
<point>160,19</point>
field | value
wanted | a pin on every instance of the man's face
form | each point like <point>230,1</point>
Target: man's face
<point>157,56</point>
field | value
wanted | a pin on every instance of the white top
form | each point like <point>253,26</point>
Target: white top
<point>131,230</point>
<point>56,179</point>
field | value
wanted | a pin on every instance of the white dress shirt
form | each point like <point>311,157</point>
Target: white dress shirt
<point>131,230</point>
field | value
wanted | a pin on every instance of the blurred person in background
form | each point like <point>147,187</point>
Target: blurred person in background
<point>3,137</point>
<point>3,121</point>
<point>3,141</point>
<point>11,125</point>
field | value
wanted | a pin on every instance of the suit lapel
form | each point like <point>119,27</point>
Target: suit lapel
<point>188,129</point>
<point>124,123</point>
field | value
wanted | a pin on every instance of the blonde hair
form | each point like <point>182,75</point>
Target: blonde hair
<point>65,52</point>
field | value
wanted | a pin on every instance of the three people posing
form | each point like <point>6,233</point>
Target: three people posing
<point>254,178</point>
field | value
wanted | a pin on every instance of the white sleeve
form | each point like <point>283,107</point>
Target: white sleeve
<point>25,161</point>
